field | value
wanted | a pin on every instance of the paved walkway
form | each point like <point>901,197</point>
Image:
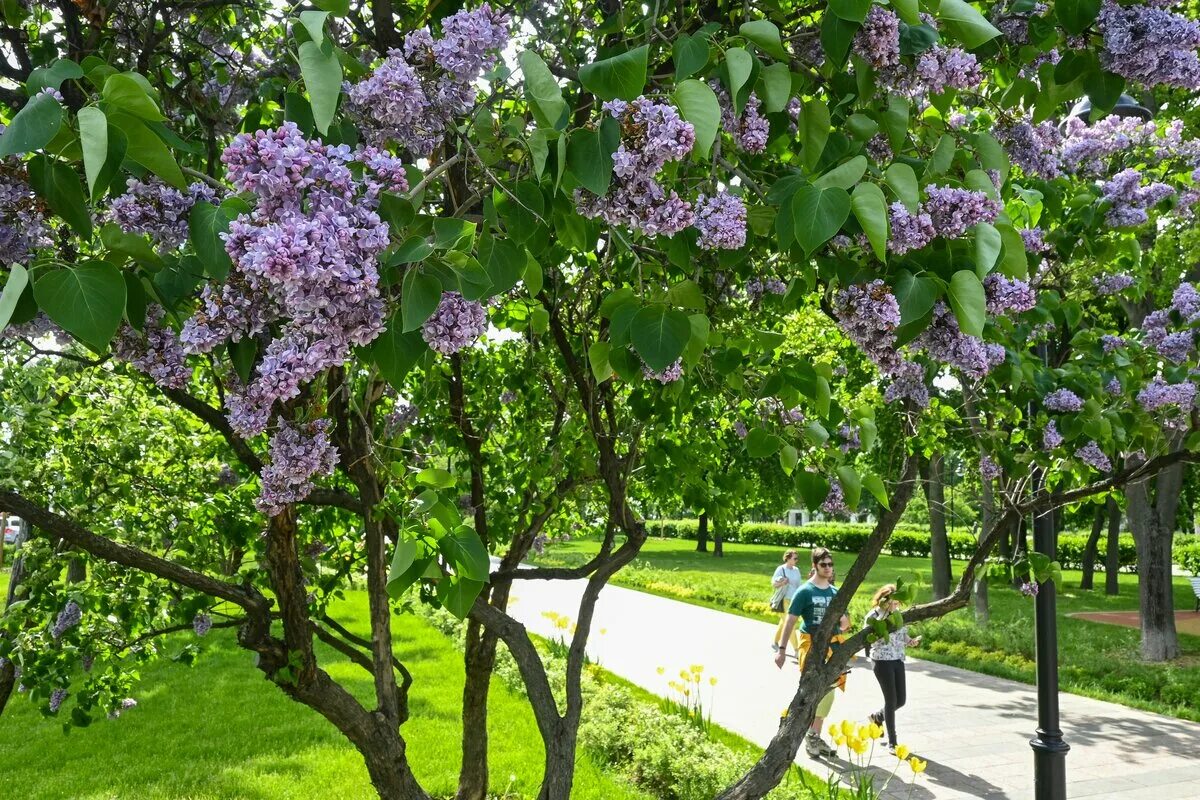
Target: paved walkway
<point>974,730</point>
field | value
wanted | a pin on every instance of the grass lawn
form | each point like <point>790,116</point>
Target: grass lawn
<point>219,730</point>
<point>1097,660</point>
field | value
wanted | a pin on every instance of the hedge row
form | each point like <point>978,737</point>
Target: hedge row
<point>1188,557</point>
<point>906,540</point>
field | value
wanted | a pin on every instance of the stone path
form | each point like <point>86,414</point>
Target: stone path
<point>973,730</point>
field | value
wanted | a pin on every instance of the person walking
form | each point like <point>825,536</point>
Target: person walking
<point>887,655</point>
<point>786,581</point>
<point>808,607</point>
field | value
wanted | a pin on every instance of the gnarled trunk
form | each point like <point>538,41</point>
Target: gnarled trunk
<point>939,543</point>
<point>1152,521</point>
<point>702,534</point>
<point>1112,556</point>
<point>1089,550</point>
<point>980,590</point>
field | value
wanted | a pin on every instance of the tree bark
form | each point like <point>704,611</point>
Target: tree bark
<point>987,516</point>
<point>718,542</point>
<point>1153,523</point>
<point>1112,556</point>
<point>1020,546</point>
<point>479,658</point>
<point>1089,550</point>
<point>939,544</point>
<point>702,534</point>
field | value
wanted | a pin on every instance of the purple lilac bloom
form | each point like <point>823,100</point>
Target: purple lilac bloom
<point>56,700</point>
<point>1159,393</point>
<point>943,341</point>
<point>1111,343</point>
<point>957,120</point>
<point>868,314</point>
<point>1186,301</point>
<point>1094,457</point>
<point>909,231</point>
<point>227,477</point>
<point>456,323</point>
<point>1129,199</point>
<point>750,130</point>
<point>507,397</point>
<point>669,375</point>
<point>22,224</point>
<point>1112,284</point>
<point>202,624</point>
<point>1150,45</point>
<point>1035,241</point>
<point>942,68</point>
<point>1113,386</point>
<point>1033,148</point>
<point>125,705</point>
<point>835,501</point>
<point>471,41</point>
<point>954,210</point>
<point>721,221</point>
<point>68,618</point>
<point>297,454</point>
<point>156,351</point>
<point>739,428</point>
<point>908,383</point>
<point>1051,438</point>
<point>850,438</point>
<point>1063,400</point>
<point>988,469</point>
<point>158,209</point>
<point>1029,588</point>
<point>1176,347</point>
<point>878,40</point>
<point>1008,295</point>
<point>386,168</point>
<point>651,135</point>
<point>879,148</point>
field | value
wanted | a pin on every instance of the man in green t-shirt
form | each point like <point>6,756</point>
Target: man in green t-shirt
<point>808,607</point>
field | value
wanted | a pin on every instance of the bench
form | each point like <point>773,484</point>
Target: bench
<point>1196,588</point>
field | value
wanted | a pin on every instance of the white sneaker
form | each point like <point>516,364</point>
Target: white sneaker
<point>813,745</point>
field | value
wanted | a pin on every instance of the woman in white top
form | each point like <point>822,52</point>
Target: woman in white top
<point>888,655</point>
<point>785,582</point>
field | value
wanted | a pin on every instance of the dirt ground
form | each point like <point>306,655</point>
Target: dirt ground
<point>1185,621</point>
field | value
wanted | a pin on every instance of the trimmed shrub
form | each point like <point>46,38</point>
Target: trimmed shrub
<point>1188,557</point>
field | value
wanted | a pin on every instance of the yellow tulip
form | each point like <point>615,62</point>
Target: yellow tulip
<point>712,681</point>
<point>863,732</point>
<point>918,766</point>
<point>874,730</point>
<point>603,631</point>
<point>902,751</point>
<point>697,668</point>
<point>838,740</point>
<point>847,728</point>
<point>660,670</point>
<point>834,730</point>
<point>858,746</point>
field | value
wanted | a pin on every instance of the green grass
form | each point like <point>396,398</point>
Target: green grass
<point>219,730</point>
<point>1097,660</point>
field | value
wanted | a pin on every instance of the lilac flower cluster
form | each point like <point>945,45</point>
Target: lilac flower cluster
<point>1112,283</point>
<point>868,314</point>
<point>651,135</point>
<point>456,323</point>
<point>1094,457</point>
<point>158,209</point>
<point>721,221</point>
<point>1051,438</point>
<point>1090,149</point>
<point>669,375</point>
<point>988,469</point>
<point>70,616</point>
<point>1063,400</point>
<point>41,325</point>
<point>878,40</point>
<point>749,131</point>
<point>740,429</point>
<point>306,257</point>
<point>908,383</point>
<point>755,288</point>
<point>835,501</point>
<point>1111,343</point>
<point>56,700</point>
<point>936,70</point>
<point>202,624</point>
<point>1033,148</point>
<point>909,231</point>
<point>954,210</point>
<point>1035,240</point>
<point>1008,295</point>
<point>1150,45</point>
<point>125,705</point>
<point>1129,199</point>
<point>412,96</point>
<point>1158,393</point>
<point>1113,387</point>
<point>1015,25</point>
<point>1029,588</point>
<point>22,225</point>
<point>944,341</point>
<point>156,351</point>
<point>850,438</point>
<point>297,454</point>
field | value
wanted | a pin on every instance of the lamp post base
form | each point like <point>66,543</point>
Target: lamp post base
<point>1049,765</point>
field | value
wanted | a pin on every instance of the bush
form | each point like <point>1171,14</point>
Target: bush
<point>907,540</point>
<point>1188,557</point>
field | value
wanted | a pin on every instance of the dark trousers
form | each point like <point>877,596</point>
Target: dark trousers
<point>890,675</point>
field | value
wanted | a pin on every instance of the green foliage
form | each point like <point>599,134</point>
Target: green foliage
<point>1188,557</point>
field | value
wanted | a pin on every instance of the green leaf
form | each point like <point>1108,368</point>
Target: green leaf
<point>33,127</point>
<point>18,279</point>
<point>760,444</point>
<point>765,35</point>
<point>739,64</point>
<point>145,148</point>
<point>943,156</point>
<point>395,352</point>
<point>123,92</point>
<point>895,122</point>
<point>987,248</point>
<point>903,181</point>
<point>818,214</point>
<point>686,294</point>
<point>916,296</point>
<point>870,209</point>
<point>851,486</point>
<point>503,261</point>
<point>421,294</point>
<point>850,10</point>
<point>87,301</point>
<point>844,175</point>
<point>620,77</point>
<point>992,155</point>
<point>837,35</point>
<point>457,595</point>
<point>435,478</point>
<point>322,73</point>
<point>520,207</point>
<point>690,54</point>
<point>777,87</point>
<point>659,334</point>
<point>59,185</point>
<point>402,561</point>
<point>93,134</point>
<point>1076,16</point>
<point>815,125</point>
<point>589,157</point>
<point>813,488</point>
<point>314,23</point>
<point>130,245</point>
<point>1103,89</point>
<point>598,359</point>
<point>113,159</point>
<point>1014,262</point>
<point>968,301</point>
<point>465,550</point>
<point>206,223</point>
<point>873,484</point>
<point>916,39</point>
<point>543,91</point>
<point>698,105</point>
<point>52,76</point>
<point>907,11</point>
<point>789,457</point>
<point>964,22</point>
<point>339,8</point>
<point>815,432</point>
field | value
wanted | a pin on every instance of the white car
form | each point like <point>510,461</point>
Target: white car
<point>12,528</point>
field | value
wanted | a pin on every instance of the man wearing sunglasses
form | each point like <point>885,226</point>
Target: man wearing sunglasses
<point>809,605</point>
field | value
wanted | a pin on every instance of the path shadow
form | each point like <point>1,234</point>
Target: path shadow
<point>937,773</point>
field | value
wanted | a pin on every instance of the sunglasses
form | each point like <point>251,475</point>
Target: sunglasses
<point>825,564</point>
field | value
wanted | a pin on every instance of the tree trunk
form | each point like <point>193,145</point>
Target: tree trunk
<point>702,534</point>
<point>1153,525</point>
<point>479,658</point>
<point>1089,550</point>
<point>718,542</point>
<point>1112,556</point>
<point>939,544</point>
<point>76,570</point>
<point>559,774</point>
<point>1020,546</point>
<point>986,516</point>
